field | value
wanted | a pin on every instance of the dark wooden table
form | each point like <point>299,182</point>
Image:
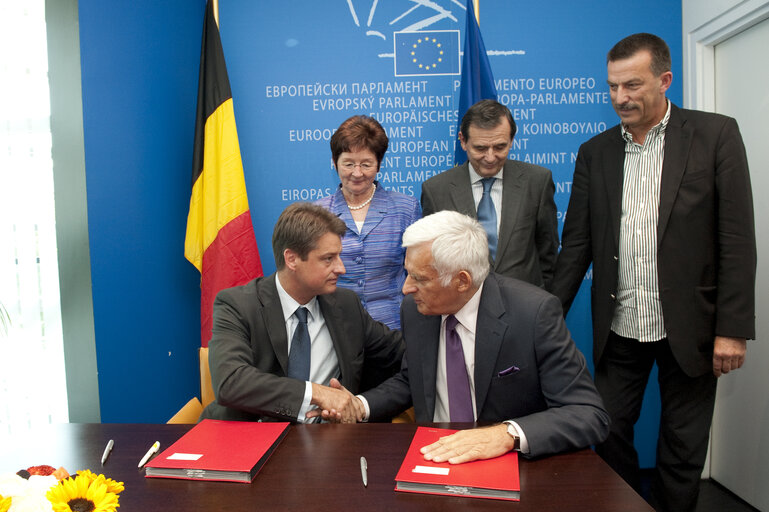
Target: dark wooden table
<point>316,467</point>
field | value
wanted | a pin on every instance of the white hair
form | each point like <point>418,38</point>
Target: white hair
<point>458,243</point>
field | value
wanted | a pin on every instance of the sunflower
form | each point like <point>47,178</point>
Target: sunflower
<point>82,494</point>
<point>5,503</point>
<point>112,486</point>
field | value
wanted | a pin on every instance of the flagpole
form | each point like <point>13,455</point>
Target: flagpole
<point>219,240</point>
<point>477,81</point>
<point>476,4</point>
<point>216,10</point>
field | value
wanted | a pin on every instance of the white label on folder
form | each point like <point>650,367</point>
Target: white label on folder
<point>185,456</point>
<point>430,470</point>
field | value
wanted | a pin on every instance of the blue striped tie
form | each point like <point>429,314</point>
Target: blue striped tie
<point>487,215</point>
<point>299,356</point>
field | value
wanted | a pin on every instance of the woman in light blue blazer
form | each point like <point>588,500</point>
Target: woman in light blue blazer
<point>375,219</point>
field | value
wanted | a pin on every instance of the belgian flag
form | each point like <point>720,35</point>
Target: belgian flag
<point>220,239</point>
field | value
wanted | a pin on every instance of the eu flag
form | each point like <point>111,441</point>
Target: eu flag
<point>426,53</point>
<point>477,81</point>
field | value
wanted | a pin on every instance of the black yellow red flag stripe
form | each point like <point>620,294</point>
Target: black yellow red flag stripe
<point>220,238</point>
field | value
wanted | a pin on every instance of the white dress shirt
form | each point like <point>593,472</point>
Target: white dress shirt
<point>323,361</point>
<point>467,318</point>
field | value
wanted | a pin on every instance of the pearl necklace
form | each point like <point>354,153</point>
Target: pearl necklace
<point>363,204</point>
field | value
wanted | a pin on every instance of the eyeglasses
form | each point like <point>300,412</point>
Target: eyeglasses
<point>364,166</point>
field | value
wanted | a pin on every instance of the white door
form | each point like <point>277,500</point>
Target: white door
<point>740,436</point>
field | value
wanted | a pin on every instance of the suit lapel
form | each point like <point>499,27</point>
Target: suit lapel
<point>489,332</point>
<point>427,335</point>
<point>613,165</point>
<point>376,212</point>
<point>461,191</point>
<point>513,185</point>
<point>678,139</point>
<point>339,208</point>
<point>272,313</point>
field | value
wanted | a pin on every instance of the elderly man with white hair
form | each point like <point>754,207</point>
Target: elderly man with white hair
<point>482,347</point>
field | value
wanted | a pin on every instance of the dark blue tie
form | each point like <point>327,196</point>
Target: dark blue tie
<point>299,356</point>
<point>460,401</point>
<point>487,215</point>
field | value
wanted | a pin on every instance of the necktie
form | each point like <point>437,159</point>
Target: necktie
<point>460,401</point>
<point>487,215</point>
<point>299,356</point>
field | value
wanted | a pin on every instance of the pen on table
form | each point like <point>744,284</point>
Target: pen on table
<point>153,450</point>
<point>364,471</point>
<point>107,451</point>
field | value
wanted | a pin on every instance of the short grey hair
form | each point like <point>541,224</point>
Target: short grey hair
<point>458,243</point>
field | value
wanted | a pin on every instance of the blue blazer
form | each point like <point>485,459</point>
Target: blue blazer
<point>373,258</point>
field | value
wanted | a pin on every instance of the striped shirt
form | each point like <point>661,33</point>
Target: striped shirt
<point>638,314</point>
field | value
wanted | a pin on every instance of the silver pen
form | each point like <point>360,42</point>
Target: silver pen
<point>107,451</point>
<point>364,471</point>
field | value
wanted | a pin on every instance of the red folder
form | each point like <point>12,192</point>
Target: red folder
<point>230,451</point>
<point>491,478</point>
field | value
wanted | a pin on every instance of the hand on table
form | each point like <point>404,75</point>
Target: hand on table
<point>472,444</point>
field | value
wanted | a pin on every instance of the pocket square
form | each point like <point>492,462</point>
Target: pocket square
<point>508,371</point>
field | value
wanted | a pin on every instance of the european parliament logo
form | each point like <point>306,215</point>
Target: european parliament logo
<point>426,53</point>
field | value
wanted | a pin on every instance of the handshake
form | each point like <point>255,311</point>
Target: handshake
<point>336,404</point>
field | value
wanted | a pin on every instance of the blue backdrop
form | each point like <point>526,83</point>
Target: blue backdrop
<point>297,70</point>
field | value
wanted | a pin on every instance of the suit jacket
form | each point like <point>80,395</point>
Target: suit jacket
<point>528,230</point>
<point>248,352</point>
<point>706,254</point>
<point>527,368</point>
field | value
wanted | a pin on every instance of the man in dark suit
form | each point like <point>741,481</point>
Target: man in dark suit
<point>256,373</point>
<point>484,347</point>
<point>662,207</point>
<point>512,200</point>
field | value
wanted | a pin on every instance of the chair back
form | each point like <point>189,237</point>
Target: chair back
<point>406,416</point>
<point>206,389</point>
<point>189,413</point>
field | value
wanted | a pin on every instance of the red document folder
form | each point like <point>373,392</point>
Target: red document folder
<point>491,478</point>
<point>230,451</point>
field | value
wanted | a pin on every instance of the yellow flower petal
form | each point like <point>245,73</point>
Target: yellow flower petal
<point>87,474</point>
<point>112,485</point>
<point>5,503</point>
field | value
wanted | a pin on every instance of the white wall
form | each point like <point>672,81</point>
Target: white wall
<point>725,71</point>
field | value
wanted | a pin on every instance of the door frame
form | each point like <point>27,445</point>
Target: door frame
<point>700,40</point>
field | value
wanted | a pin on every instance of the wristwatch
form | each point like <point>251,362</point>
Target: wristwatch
<point>514,433</point>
